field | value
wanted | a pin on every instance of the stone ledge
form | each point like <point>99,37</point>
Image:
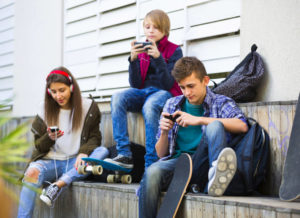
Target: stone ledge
<point>255,202</point>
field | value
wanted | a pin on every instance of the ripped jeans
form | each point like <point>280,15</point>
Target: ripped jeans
<point>50,171</point>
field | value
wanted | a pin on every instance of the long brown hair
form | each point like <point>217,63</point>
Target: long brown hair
<point>52,108</point>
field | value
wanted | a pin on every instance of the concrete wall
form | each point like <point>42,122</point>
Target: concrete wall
<point>38,49</point>
<point>274,25</point>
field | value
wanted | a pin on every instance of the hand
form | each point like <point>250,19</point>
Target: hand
<point>186,119</point>
<point>54,135</point>
<point>135,50</point>
<point>79,161</point>
<point>152,50</point>
<point>166,124</point>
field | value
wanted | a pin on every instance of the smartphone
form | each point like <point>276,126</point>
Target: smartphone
<point>54,128</point>
<point>170,117</point>
<point>143,43</point>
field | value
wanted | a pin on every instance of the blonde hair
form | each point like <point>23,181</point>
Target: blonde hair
<point>160,19</point>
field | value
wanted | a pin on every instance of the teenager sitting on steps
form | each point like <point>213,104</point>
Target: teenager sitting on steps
<point>57,154</point>
<point>206,123</point>
<point>152,84</point>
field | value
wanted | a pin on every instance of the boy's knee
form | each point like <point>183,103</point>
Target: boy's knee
<point>32,175</point>
<point>151,110</point>
<point>215,126</point>
<point>153,175</point>
<point>116,99</point>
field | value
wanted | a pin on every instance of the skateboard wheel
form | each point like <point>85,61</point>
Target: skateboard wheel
<point>111,179</point>
<point>97,170</point>
<point>126,179</point>
<point>81,170</point>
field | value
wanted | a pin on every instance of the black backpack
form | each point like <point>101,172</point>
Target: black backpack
<point>242,82</point>
<point>252,151</point>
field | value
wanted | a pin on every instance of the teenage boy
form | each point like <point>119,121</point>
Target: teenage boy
<point>151,86</point>
<point>206,124</point>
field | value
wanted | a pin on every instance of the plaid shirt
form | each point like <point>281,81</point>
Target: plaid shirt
<point>214,105</point>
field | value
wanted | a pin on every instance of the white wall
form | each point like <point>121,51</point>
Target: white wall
<point>38,49</point>
<point>98,35</point>
<point>274,25</point>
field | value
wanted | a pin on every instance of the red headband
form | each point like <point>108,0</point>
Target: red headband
<point>61,73</point>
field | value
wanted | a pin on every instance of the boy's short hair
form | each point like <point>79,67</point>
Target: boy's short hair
<point>160,19</point>
<point>185,66</point>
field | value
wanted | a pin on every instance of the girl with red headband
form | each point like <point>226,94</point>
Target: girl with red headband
<point>65,130</point>
<point>151,84</point>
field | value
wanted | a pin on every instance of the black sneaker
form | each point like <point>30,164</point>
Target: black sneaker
<point>50,194</point>
<point>122,161</point>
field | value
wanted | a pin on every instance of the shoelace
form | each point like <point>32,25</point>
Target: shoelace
<point>52,190</point>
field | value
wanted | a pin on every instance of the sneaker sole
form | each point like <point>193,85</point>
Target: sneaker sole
<point>46,200</point>
<point>225,170</point>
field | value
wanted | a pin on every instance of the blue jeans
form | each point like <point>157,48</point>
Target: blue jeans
<point>212,143</point>
<point>159,175</point>
<point>150,102</point>
<point>65,171</point>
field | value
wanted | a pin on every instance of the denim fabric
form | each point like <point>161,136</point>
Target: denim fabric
<point>158,176</point>
<point>150,102</point>
<point>65,171</point>
<point>213,142</point>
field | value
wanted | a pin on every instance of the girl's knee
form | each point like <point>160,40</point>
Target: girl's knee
<point>100,152</point>
<point>32,175</point>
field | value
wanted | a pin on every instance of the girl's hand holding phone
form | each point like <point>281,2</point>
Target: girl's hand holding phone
<point>54,133</point>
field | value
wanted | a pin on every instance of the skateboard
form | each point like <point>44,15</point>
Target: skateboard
<point>96,166</point>
<point>290,186</point>
<point>177,187</point>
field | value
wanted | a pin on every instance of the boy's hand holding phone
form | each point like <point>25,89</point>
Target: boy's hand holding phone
<point>136,48</point>
<point>152,49</point>
<point>168,121</point>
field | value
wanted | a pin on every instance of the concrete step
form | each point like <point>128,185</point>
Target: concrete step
<point>87,199</point>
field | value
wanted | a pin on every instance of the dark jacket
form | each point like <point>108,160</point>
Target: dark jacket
<point>159,72</point>
<point>90,135</point>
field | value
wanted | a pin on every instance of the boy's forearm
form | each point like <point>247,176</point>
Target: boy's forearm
<point>162,145</point>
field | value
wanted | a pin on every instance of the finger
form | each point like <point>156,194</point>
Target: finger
<point>149,47</point>
<point>178,113</point>
<point>132,43</point>
<point>165,114</point>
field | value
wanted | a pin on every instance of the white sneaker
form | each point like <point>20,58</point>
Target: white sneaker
<point>221,172</point>
<point>50,194</point>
